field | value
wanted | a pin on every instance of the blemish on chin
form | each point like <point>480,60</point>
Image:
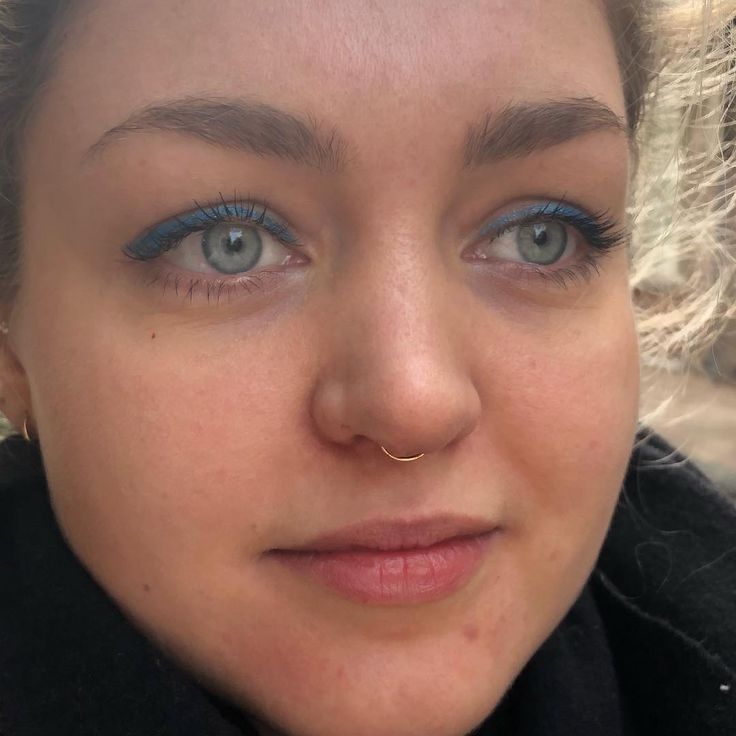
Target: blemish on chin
<point>470,632</point>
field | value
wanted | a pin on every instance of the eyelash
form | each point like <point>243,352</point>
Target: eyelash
<point>256,213</point>
<point>155,243</point>
<point>599,230</point>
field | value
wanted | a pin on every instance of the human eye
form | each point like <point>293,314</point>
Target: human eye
<point>552,240</point>
<point>217,247</point>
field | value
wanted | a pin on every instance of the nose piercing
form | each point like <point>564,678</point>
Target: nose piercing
<point>403,459</point>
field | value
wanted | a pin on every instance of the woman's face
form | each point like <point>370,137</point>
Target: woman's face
<point>438,271</point>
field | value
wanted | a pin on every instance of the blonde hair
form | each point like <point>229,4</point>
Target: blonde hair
<point>683,208</point>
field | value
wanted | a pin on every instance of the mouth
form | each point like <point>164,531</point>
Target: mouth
<point>394,562</point>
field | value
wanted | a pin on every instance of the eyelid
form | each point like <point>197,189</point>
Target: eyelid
<point>547,210</point>
<point>249,211</point>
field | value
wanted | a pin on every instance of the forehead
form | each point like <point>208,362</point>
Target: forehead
<point>369,67</point>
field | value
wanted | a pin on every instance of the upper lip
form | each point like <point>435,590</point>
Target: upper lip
<point>387,535</point>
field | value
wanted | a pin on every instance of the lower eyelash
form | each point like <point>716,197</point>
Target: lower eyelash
<point>564,277</point>
<point>212,289</point>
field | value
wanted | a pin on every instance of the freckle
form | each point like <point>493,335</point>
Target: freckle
<point>146,587</point>
<point>153,336</point>
<point>470,632</point>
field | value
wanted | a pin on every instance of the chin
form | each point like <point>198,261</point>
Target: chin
<point>389,710</point>
<point>434,685</point>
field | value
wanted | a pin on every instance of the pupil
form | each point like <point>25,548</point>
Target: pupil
<point>540,235</point>
<point>234,241</point>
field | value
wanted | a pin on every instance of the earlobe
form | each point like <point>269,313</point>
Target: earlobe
<point>15,398</point>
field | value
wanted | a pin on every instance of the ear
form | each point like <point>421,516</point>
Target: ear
<point>15,395</point>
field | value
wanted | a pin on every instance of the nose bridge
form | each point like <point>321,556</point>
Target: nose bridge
<point>397,300</point>
<point>396,367</point>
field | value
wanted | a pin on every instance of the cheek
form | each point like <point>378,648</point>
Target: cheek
<point>582,409</point>
<point>566,410</point>
<point>563,398</point>
<point>178,441</point>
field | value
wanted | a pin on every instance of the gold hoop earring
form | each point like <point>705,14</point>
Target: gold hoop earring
<point>26,436</point>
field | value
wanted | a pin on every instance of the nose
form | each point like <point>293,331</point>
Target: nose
<point>396,369</point>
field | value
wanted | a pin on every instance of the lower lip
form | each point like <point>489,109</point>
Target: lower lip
<point>415,575</point>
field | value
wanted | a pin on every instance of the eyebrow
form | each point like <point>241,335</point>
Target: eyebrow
<point>516,131</point>
<point>522,128</point>
<point>243,125</point>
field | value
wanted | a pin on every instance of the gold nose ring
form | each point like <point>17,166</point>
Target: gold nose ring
<point>402,459</point>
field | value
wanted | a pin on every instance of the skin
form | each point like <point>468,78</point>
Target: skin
<point>183,440</point>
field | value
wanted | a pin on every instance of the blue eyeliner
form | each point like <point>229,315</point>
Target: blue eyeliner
<point>167,235</point>
<point>599,230</point>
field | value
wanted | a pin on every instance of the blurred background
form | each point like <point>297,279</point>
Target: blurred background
<point>684,236</point>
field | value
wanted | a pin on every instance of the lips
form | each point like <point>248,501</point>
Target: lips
<point>393,562</point>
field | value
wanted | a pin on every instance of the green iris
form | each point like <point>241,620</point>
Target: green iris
<point>541,243</point>
<point>232,248</point>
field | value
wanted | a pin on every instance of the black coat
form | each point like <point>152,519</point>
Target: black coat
<point>649,647</point>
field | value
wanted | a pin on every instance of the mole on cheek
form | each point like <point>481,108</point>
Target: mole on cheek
<point>153,336</point>
<point>146,587</point>
<point>470,632</point>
